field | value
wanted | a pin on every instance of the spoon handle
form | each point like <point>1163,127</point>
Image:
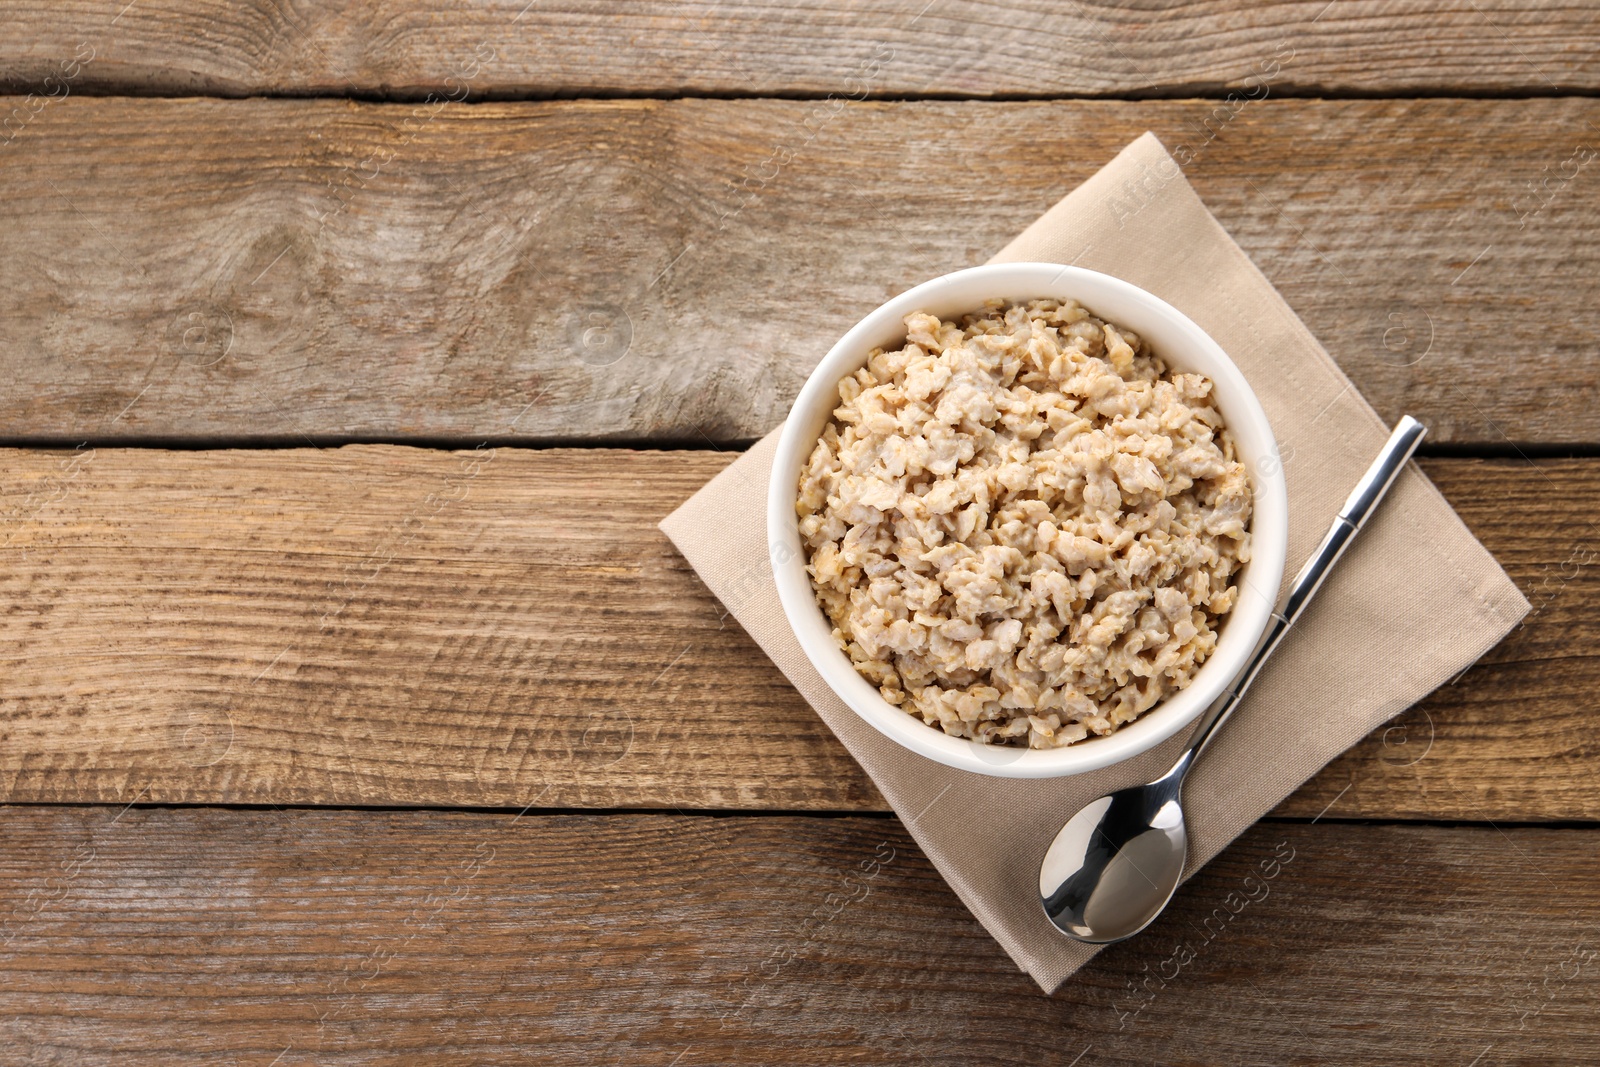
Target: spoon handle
<point>1368,492</point>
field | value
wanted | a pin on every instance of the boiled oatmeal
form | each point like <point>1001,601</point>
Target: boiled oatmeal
<point>1022,525</point>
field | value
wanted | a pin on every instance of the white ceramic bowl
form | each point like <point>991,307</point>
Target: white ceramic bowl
<point>1185,347</point>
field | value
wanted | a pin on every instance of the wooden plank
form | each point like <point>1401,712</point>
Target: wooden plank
<point>653,271</point>
<point>381,625</point>
<point>397,626</point>
<point>877,47</point>
<point>303,937</point>
<point>1498,742</point>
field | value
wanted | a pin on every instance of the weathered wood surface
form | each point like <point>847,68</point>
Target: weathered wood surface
<point>878,47</point>
<point>380,625</point>
<point>647,271</point>
<point>315,937</point>
<point>388,625</point>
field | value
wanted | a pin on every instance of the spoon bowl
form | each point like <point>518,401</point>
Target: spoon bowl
<point>1114,866</point>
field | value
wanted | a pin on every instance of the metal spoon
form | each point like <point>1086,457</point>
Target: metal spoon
<point>1114,866</point>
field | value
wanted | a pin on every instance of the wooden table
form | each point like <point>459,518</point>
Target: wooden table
<point>353,710</point>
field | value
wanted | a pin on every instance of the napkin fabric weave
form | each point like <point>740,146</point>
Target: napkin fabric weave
<point>1414,602</point>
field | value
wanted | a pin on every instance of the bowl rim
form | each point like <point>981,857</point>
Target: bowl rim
<point>1258,583</point>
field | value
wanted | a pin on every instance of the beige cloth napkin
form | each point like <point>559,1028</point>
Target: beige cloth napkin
<point>1414,602</point>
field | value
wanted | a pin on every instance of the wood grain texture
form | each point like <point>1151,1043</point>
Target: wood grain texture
<point>373,938</point>
<point>381,625</point>
<point>653,271</point>
<point>1504,739</point>
<point>759,48</point>
<point>396,626</point>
